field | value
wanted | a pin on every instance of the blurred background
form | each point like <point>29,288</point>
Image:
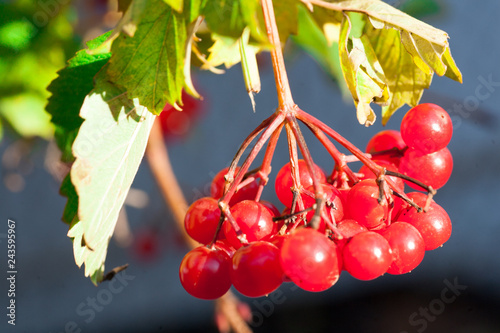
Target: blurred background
<point>52,294</point>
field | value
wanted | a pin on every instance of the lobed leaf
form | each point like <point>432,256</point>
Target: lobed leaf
<point>69,89</point>
<point>362,72</point>
<point>407,50</point>
<point>149,65</point>
<point>108,150</point>
<point>229,18</point>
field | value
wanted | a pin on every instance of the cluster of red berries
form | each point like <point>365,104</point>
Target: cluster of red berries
<point>365,228</point>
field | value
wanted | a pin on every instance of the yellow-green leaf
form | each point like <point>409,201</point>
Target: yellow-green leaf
<point>362,72</point>
<point>406,81</point>
<point>178,5</point>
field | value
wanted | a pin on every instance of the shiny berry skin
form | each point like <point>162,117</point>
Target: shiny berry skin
<point>386,140</point>
<point>284,181</point>
<point>407,245</point>
<point>333,202</point>
<point>362,205</point>
<point>201,220</point>
<point>254,220</point>
<point>248,192</point>
<point>310,260</point>
<point>272,208</point>
<point>432,169</point>
<point>204,273</point>
<point>426,128</point>
<point>368,174</point>
<point>367,255</point>
<point>224,245</point>
<point>434,225</point>
<point>348,228</point>
<point>256,269</point>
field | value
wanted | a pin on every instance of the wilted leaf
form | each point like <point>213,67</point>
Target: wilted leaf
<point>407,70</point>
<point>362,72</point>
<point>406,81</point>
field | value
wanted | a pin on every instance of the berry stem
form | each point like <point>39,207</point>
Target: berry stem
<point>285,99</point>
<point>265,167</point>
<point>312,170</point>
<point>297,203</point>
<point>340,159</point>
<point>275,121</point>
<point>242,148</point>
<point>374,167</point>
<point>161,168</point>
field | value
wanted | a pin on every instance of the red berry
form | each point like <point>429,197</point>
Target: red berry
<point>224,245</point>
<point>284,181</point>
<point>204,273</point>
<point>310,260</point>
<point>426,128</point>
<point>348,228</point>
<point>367,255</point>
<point>333,203</point>
<point>432,169</point>
<point>383,141</point>
<point>256,269</point>
<point>248,192</point>
<point>254,220</point>
<point>434,225</point>
<point>408,247</point>
<point>272,208</point>
<point>362,205</point>
<point>202,219</point>
<point>368,174</point>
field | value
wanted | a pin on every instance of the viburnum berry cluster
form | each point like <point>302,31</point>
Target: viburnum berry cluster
<point>361,222</point>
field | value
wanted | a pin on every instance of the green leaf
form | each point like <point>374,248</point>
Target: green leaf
<point>286,12</point>
<point>150,64</point>
<point>69,89</point>
<point>362,72</point>
<point>175,4</point>
<point>108,150</point>
<point>229,18</point>
<point>406,81</point>
<point>412,52</point>
<point>320,44</point>
<point>71,209</point>
<point>225,50</point>
<point>133,13</point>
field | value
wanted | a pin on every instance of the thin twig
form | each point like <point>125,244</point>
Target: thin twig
<point>161,168</point>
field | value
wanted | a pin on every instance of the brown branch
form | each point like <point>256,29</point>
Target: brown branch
<point>161,168</point>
